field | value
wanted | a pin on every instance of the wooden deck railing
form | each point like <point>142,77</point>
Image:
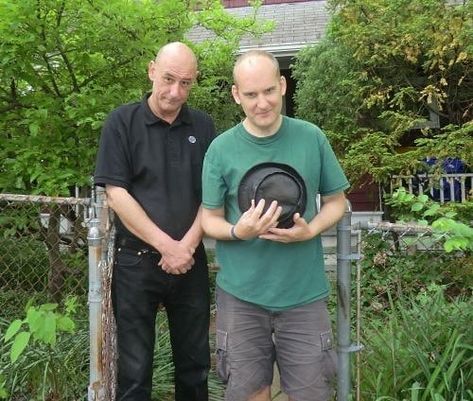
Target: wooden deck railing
<point>444,188</point>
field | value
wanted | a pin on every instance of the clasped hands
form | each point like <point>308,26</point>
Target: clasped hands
<point>177,257</point>
<point>257,223</point>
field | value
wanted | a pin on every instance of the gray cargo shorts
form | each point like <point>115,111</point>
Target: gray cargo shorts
<point>250,339</point>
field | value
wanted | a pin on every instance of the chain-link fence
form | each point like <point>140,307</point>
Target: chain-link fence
<point>55,247</point>
<point>43,261</point>
<point>398,262</point>
<point>43,250</point>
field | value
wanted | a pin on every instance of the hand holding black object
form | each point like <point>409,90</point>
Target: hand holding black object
<point>255,221</point>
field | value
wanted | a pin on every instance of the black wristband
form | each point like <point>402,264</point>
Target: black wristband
<point>232,233</point>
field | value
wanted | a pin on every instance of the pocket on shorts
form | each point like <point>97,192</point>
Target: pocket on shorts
<point>125,257</point>
<point>222,367</point>
<point>329,356</point>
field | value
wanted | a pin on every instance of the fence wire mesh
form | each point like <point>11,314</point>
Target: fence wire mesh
<point>396,261</point>
<point>386,245</point>
<point>43,250</point>
<point>44,259</point>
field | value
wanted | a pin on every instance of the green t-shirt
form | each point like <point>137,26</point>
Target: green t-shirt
<point>267,273</point>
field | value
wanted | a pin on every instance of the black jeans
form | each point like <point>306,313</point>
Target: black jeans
<point>138,287</point>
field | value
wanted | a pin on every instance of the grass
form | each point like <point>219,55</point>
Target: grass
<point>423,349</point>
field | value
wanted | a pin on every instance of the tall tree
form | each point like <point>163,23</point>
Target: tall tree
<point>385,72</point>
<point>65,64</point>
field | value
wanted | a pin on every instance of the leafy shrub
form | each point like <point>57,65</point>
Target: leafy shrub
<point>387,270</point>
<point>44,356</point>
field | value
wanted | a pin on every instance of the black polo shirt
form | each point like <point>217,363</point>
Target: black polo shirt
<point>158,163</point>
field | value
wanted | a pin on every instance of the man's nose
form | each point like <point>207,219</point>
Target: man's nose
<point>262,102</point>
<point>175,89</point>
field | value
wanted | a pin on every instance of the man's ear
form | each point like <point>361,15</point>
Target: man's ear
<point>151,70</point>
<point>283,85</point>
<point>235,95</point>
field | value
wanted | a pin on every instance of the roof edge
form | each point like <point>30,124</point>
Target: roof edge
<point>286,50</point>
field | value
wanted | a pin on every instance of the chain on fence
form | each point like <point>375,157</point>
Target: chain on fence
<point>109,340</point>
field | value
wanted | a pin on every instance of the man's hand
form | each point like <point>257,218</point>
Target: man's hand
<point>176,257</point>
<point>254,222</point>
<point>332,210</point>
<point>300,231</point>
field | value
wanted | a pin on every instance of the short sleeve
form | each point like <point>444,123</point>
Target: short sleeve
<point>113,164</point>
<point>213,184</point>
<point>332,177</point>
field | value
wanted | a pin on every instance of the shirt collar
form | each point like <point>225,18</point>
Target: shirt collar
<point>184,116</point>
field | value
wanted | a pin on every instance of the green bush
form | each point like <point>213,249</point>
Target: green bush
<point>45,356</point>
<point>404,273</point>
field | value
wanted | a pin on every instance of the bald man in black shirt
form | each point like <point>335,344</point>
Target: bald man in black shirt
<point>150,162</point>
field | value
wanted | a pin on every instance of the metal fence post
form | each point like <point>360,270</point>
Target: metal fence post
<point>95,238</point>
<point>344,258</point>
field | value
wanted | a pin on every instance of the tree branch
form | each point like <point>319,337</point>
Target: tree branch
<point>60,14</point>
<point>11,106</point>
<point>69,68</point>
<point>13,89</point>
<point>98,73</point>
<point>63,53</point>
<point>43,54</point>
<point>110,17</point>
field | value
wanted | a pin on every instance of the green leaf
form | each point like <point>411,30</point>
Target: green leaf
<point>423,198</point>
<point>66,324</point>
<point>34,319</point>
<point>416,207</point>
<point>415,391</point>
<point>450,245</point>
<point>19,344</point>
<point>34,129</point>
<point>46,330</point>
<point>13,329</point>
<point>432,210</point>
<point>48,307</point>
<point>71,305</point>
<point>28,305</point>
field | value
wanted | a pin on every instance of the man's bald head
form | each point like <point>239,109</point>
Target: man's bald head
<point>176,50</point>
<point>250,58</point>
